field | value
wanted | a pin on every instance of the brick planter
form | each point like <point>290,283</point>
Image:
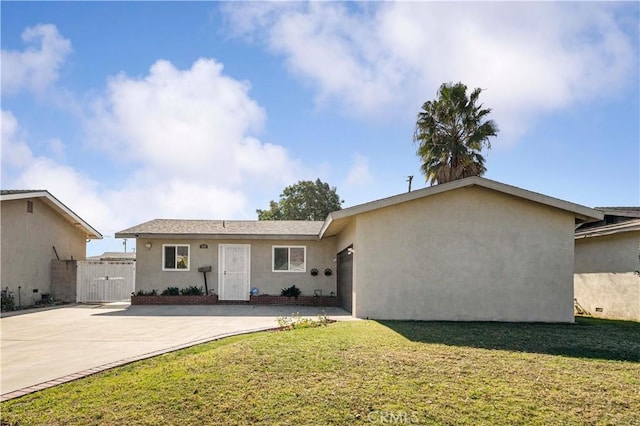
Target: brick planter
<point>300,301</point>
<point>212,299</point>
<point>254,300</point>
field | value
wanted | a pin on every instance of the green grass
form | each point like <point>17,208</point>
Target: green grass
<point>365,372</point>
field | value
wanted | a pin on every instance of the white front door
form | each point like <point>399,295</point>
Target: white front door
<point>234,269</point>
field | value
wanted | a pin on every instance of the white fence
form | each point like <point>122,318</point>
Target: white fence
<point>105,281</point>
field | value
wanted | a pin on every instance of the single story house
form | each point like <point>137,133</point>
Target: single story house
<point>114,256</point>
<point>37,228</point>
<point>607,256</point>
<point>267,255</point>
<point>469,250</point>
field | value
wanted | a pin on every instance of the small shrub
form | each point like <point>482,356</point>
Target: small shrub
<point>8,302</point>
<point>192,291</point>
<point>170,291</point>
<point>296,321</point>
<point>147,293</point>
<point>292,291</point>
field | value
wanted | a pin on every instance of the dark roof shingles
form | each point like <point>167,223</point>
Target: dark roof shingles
<point>20,191</point>
<point>226,227</point>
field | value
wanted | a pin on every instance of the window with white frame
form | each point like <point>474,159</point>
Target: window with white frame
<point>289,259</point>
<point>175,257</point>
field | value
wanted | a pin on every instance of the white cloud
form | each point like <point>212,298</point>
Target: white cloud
<point>186,138</point>
<point>75,189</point>
<point>190,135</point>
<point>359,174</point>
<point>386,59</point>
<point>15,151</point>
<point>56,148</point>
<point>148,194</point>
<point>195,124</point>
<point>38,65</point>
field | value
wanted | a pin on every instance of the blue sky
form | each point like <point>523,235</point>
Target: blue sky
<point>130,111</point>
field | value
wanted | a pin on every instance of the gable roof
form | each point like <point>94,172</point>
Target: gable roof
<point>608,229</point>
<point>46,197</point>
<point>229,229</point>
<point>20,191</point>
<point>620,211</point>
<point>337,220</point>
<point>616,220</point>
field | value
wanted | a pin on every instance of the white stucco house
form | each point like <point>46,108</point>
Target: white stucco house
<point>468,250</point>
<point>37,228</point>
<point>607,256</point>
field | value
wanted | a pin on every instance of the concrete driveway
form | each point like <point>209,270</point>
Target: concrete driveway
<point>42,349</point>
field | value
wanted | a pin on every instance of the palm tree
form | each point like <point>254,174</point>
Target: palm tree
<point>451,132</point>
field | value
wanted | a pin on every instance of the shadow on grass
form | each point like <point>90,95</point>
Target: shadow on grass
<point>587,338</point>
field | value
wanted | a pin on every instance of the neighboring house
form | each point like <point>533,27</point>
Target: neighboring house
<point>468,250</point>
<point>606,261</point>
<point>37,228</point>
<point>114,256</point>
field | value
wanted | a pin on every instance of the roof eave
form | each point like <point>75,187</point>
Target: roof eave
<point>90,232</point>
<point>620,211</point>
<point>608,230</point>
<point>23,195</point>
<point>325,225</point>
<point>581,213</point>
<point>192,236</point>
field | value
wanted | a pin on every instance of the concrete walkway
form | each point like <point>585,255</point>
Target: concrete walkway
<point>46,348</point>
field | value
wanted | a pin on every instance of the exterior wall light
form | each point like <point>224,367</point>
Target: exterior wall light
<point>148,246</point>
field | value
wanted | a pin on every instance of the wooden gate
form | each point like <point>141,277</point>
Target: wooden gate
<point>101,281</point>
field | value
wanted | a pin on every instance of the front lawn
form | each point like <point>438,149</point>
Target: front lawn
<point>368,372</point>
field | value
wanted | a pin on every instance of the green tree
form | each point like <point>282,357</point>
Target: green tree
<point>305,200</point>
<point>451,132</point>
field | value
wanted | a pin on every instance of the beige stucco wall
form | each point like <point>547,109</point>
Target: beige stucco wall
<point>347,236</point>
<point>26,247</point>
<point>608,253</point>
<point>320,255</point>
<point>604,275</point>
<point>470,254</point>
<point>609,295</point>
